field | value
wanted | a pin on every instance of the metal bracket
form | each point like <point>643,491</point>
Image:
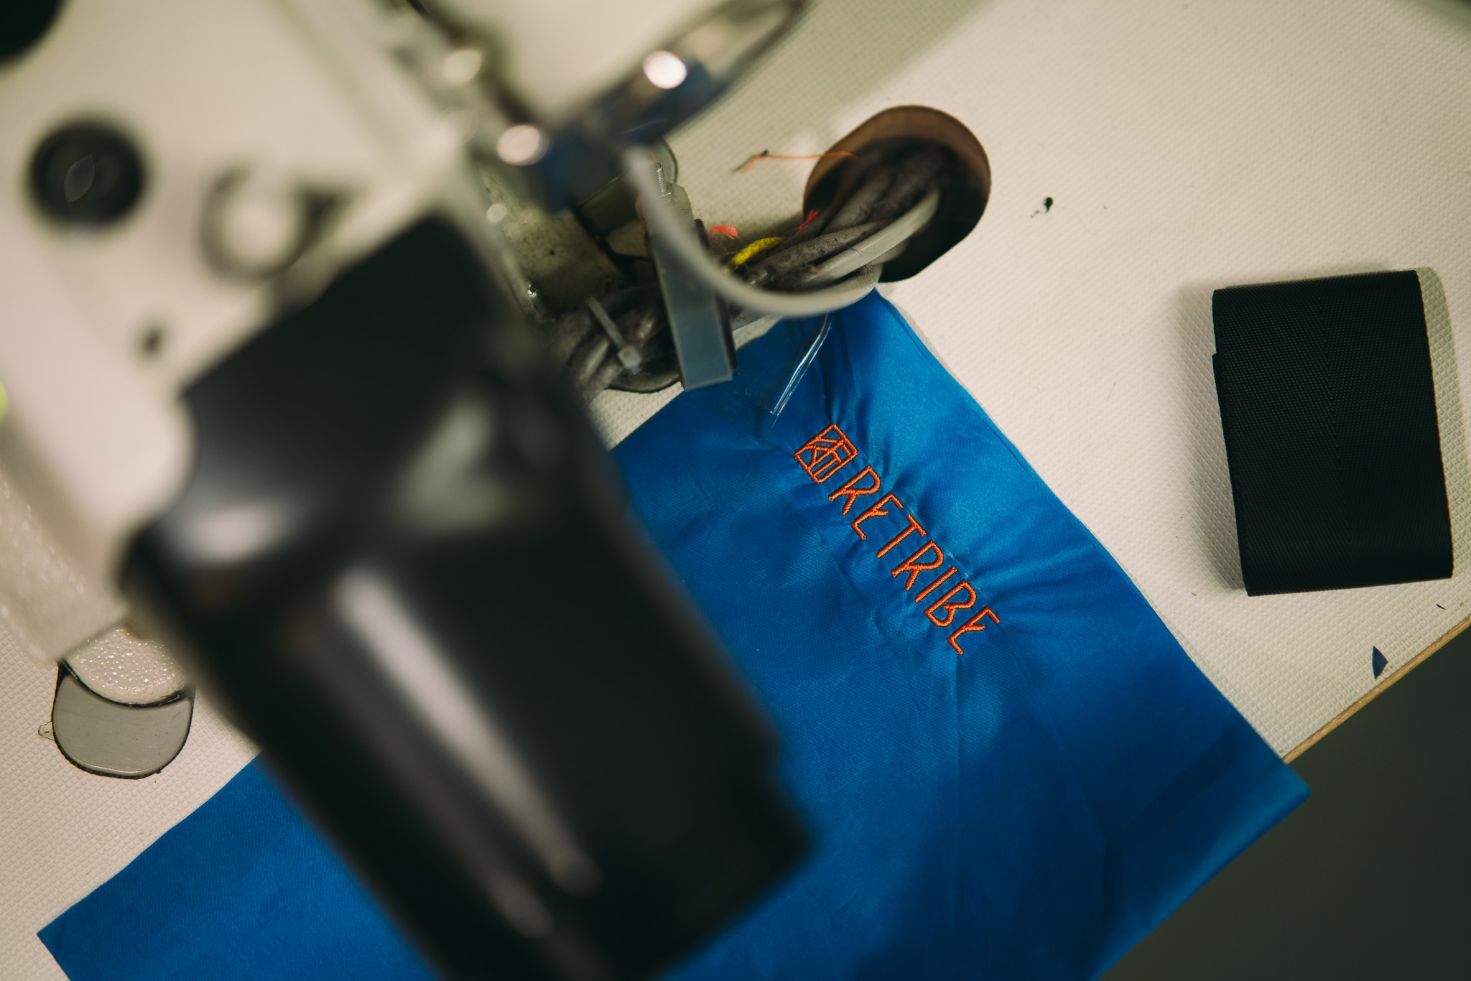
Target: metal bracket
<point>698,320</point>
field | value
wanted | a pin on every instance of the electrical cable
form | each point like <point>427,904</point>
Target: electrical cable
<point>919,172</point>
<point>686,249</point>
<point>785,259</point>
<point>852,239</point>
<point>751,251</point>
<point>865,198</point>
<point>876,246</point>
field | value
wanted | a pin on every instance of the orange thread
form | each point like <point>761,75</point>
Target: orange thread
<point>970,626</point>
<point>912,566</point>
<point>830,451</point>
<point>877,511</point>
<point>913,527</point>
<point>727,231</point>
<point>950,608</point>
<point>931,587</point>
<point>808,220</point>
<point>852,492</point>
<point>826,453</point>
<point>756,158</point>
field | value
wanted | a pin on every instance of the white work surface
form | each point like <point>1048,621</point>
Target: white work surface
<point>1187,144</point>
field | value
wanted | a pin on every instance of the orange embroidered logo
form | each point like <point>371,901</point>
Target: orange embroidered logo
<point>826,453</point>
<point>829,452</point>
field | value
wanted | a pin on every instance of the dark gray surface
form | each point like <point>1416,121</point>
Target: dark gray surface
<point>1371,878</point>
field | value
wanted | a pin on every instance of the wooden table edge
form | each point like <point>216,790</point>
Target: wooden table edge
<point>1374,692</point>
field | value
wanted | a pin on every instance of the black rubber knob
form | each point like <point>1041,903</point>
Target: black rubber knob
<point>86,173</point>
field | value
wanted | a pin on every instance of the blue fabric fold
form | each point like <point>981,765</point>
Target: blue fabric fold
<point>1010,767</point>
<point>243,888</point>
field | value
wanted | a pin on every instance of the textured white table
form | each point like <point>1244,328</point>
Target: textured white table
<point>1186,145</point>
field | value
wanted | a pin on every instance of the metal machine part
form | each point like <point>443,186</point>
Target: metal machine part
<point>115,739</point>
<point>698,322</point>
<point>557,73</point>
<point>630,71</point>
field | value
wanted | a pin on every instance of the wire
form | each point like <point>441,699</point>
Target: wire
<point>756,158</point>
<point>876,246</point>
<point>787,258</point>
<point>752,251</point>
<point>688,252</point>
<point>799,372</point>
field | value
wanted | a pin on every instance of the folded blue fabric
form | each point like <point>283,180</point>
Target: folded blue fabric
<point>1010,767</point>
<point>242,888</point>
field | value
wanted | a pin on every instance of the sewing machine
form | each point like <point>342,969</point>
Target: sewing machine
<point>300,300</point>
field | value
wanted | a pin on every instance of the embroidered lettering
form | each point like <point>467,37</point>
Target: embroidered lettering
<point>877,511</point>
<point>829,452</point>
<point>913,527</point>
<point>974,625</point>
<point>931,587</point>
<point>943,603</point>
<point>853,492</point>
<point>826,453</point>
<point>914,567</point>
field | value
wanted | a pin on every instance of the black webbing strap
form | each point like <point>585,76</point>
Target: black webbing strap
<point>1328,408</point>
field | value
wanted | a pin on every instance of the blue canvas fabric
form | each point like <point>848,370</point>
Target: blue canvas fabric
<point>1010,767</point>
<point>241,889</point>
<point>1020,787</point>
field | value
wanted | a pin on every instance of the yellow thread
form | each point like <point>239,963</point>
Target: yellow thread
<point>752,251</point>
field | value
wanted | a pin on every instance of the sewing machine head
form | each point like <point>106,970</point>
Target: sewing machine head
<point>300,299</point>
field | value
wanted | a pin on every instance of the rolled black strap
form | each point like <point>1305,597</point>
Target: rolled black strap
<point>1328,409</point>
